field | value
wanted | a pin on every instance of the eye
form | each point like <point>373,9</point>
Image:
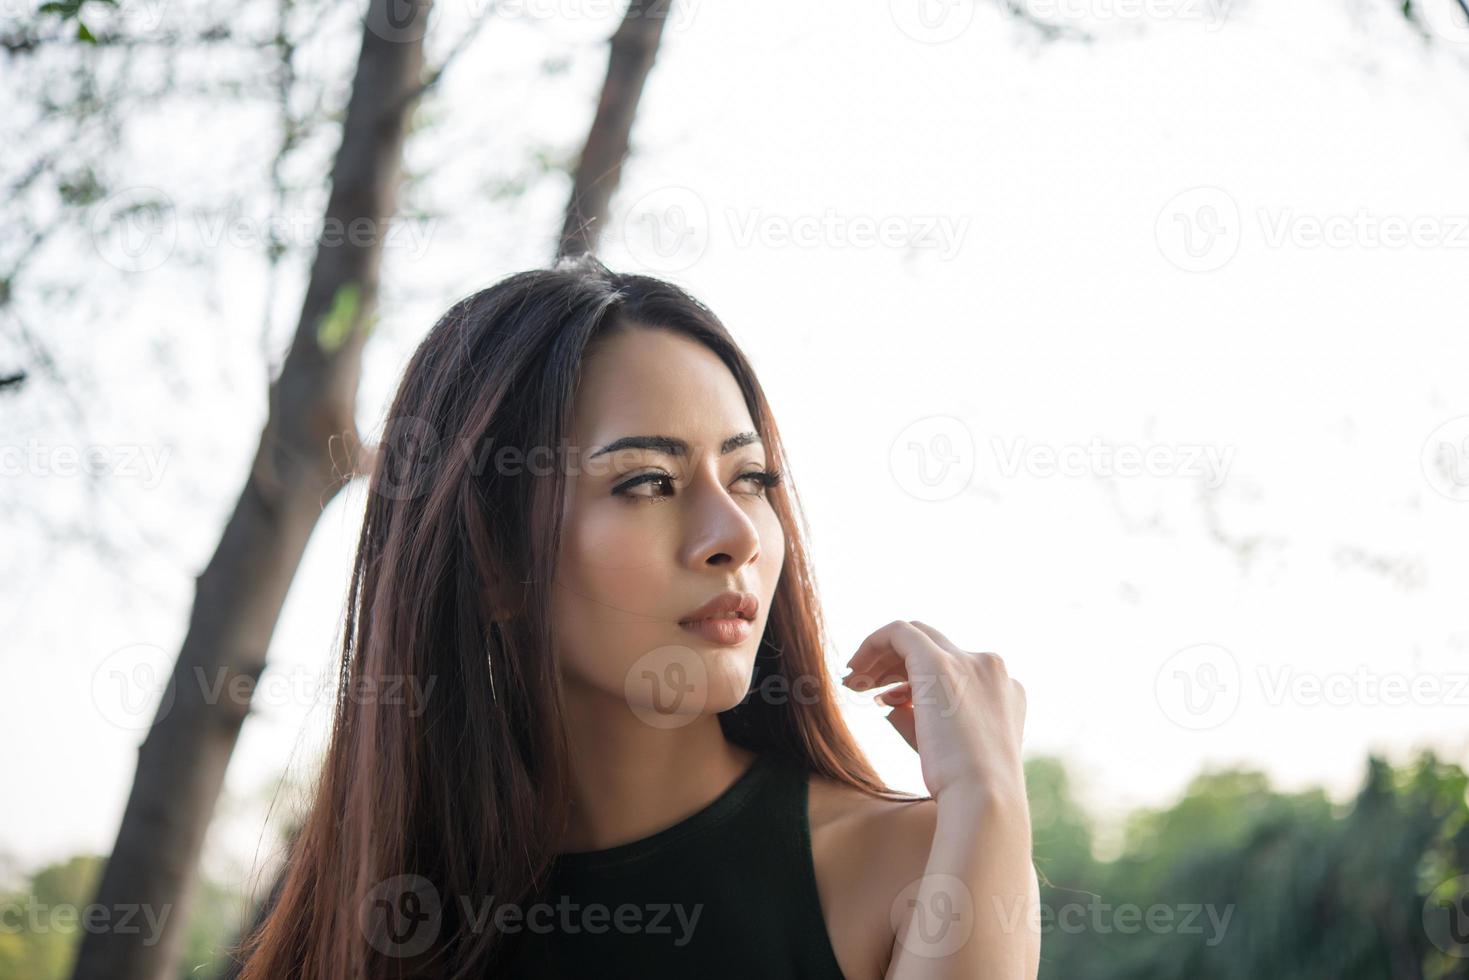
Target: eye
<point>764,479</point>
<point>655,478</point>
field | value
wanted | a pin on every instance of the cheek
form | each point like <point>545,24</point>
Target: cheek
<point>772,548</point>
<point>613,560</point>
<point>609,597</point>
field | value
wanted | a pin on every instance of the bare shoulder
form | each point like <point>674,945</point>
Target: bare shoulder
<point>865,851</point>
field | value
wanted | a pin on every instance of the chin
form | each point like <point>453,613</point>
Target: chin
<point>730,671</point>
<point>671,685</point>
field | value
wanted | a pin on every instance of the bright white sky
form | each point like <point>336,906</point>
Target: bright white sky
<point>1077,296</point>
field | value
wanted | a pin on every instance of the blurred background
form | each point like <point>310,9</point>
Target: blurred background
<point>1126,338</point>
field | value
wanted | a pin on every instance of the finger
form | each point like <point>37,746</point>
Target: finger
<point>891,674</point>
<point>899,648</point>
<point>888,670</point>
<point>903,720</point>
<point>902,694</point>
<point>936,636</point>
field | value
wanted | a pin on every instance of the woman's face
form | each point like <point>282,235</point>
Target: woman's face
<point>653,533</point>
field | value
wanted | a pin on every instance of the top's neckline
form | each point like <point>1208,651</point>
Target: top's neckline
<point>714,812</point>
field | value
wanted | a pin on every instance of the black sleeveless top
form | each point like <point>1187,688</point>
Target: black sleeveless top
<point>729,891</point>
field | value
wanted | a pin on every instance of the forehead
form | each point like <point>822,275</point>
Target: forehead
<point>647,381</point>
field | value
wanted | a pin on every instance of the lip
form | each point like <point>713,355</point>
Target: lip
<point>725,632</point>
<point>735,606</point>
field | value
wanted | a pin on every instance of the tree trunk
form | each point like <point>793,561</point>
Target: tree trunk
<point>238,597</point>
<point>634,46</point>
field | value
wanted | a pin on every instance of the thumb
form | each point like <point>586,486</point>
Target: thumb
<point>902,719</point>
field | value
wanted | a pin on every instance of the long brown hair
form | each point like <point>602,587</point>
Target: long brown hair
<point>459,786</point>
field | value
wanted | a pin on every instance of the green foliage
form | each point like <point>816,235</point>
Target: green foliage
<point>41,924</point>
<point>81,188</point>
<point>216,918</point>
<point>1237,881</point>
<point>72,10</point>
<point>1062,830</point>
<point>39,934</point>
<point>336,325</point>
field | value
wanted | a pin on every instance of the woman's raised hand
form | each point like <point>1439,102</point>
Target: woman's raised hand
<point>961,711</point>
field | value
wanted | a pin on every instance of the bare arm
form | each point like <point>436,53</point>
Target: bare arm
<point>975,911</point>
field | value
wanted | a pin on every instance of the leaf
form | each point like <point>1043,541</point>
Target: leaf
<point>336,326</point>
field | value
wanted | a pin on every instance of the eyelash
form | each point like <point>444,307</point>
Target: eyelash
<point>766,479</point>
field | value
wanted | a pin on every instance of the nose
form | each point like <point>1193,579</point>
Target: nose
<point>720,532</point>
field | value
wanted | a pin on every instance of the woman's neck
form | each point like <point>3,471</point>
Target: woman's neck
<point>631,780</point>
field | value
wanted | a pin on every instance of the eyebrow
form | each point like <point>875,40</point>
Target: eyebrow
<point>669,446</point>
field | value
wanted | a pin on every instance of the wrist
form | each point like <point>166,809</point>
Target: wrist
<point>990,798</point>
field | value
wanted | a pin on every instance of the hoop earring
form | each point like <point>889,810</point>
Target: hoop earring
<point>490,658</point>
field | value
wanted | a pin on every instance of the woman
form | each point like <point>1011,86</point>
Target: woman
<point>586,726</point>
